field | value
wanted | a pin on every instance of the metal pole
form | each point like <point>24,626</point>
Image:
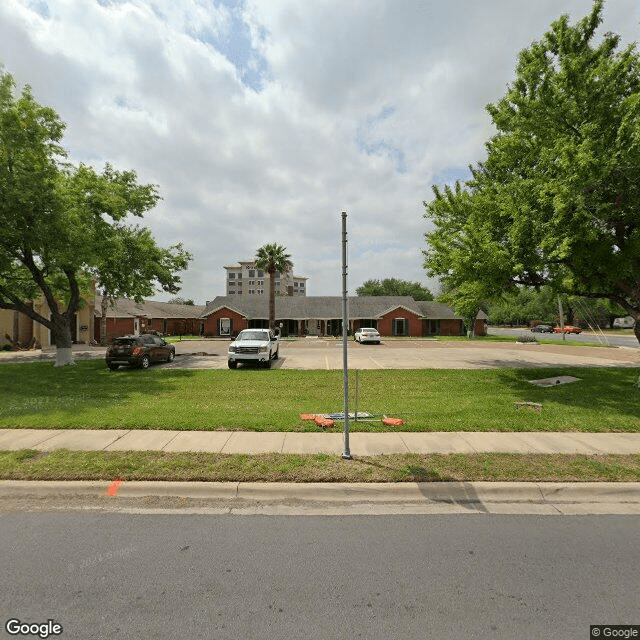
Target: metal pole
<point>564,335</point>
<point>346,453</point>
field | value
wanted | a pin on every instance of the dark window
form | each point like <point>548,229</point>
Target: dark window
<point>400,327</point>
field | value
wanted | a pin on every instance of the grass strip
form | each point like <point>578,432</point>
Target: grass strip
<point>63,464</point>
<point>89,396</point>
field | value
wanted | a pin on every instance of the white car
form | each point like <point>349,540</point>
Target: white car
<point>367,335</point>
<point>259,346</point>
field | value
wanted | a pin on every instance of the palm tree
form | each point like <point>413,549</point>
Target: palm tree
<point>272,258</point>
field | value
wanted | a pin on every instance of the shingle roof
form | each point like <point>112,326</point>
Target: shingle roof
<point>326,307</point>
<point>123,308</point>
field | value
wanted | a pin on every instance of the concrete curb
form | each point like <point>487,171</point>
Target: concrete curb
<point>458,492</point>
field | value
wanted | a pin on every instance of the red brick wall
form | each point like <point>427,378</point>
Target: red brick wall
<point>451,328</point>
<point>211,322</point>
<point>480,327</point>
<point>115,328</point>
<point>385,324</point>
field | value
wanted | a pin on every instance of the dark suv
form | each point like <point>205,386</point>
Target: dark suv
<point>139,351</point>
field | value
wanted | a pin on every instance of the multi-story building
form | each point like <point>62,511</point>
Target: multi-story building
<point>245,279</point>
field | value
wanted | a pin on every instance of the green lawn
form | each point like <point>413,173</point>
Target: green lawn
<point>88,395</point>
<point>275,467</point>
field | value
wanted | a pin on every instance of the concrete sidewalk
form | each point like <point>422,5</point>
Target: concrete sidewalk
<point>361,444</point>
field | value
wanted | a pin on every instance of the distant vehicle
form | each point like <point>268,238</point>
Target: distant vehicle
<point>259,346</point>
<point>138,351</point>
<point>568,329</point>
<point>367,334</point>
<point>542,328</point>
<point>624,323</point>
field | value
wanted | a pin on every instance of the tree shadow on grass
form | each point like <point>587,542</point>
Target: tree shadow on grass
<point>608,392</point>
<point>38,395</point>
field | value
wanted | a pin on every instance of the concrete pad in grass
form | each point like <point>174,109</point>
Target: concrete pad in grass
<point>199,441</point>
<point>250,442</point>
<point>82,439</point>
<point>143,440</point>
<point>16,439</point>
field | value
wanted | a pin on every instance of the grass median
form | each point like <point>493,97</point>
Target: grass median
<point>89,396</point>
<point>149,465</point>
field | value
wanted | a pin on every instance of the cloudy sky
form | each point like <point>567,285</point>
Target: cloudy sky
<point>261,120</point>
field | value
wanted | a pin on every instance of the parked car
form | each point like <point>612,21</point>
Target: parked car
<point>367,334</point>
<point>568,329</point>
<point>259,346</point>
<point>139,351</point>
<point>542,328</point>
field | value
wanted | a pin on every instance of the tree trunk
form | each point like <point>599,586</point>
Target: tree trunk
<point>61,336</point>
<point>103,320</point>
<point>272,300</point>
<point>636,327</point>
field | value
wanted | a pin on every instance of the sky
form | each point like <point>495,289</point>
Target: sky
<point>260,121</point>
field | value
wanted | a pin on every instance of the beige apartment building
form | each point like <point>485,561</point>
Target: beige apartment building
<point>245,279</point>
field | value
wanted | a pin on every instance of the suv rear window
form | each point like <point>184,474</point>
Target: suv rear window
<point>125,342</point>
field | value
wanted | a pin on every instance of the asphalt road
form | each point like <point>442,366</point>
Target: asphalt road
<point>615,340</point>
<point>228,577</point>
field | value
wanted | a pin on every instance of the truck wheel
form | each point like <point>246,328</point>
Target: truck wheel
<point>232,364</point>
<point>267,364</point>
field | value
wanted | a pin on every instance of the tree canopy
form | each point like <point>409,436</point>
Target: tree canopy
<point>272,259</point>
<point>394,287</point>
<point>64,227</point>
<point>557,199</point>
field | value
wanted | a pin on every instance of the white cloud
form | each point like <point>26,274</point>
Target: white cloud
<point>261,120</point>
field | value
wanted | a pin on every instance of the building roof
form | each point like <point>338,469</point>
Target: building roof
<point>326,307</point>
<point>125,308</point>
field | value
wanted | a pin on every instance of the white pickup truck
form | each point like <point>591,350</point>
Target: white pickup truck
<point>259,346</point>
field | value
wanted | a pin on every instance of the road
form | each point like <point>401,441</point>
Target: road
<point>589,336</point>
<point>110,575</point>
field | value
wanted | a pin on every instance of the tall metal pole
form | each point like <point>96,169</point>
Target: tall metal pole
<point>346,453</point>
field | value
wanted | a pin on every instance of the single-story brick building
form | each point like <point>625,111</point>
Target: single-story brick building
<point>126,317</point>
<point>322,315</point>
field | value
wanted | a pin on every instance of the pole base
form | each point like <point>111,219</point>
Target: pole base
<point>347,456</point>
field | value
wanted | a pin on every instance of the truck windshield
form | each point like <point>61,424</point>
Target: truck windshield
<point>253,335</point>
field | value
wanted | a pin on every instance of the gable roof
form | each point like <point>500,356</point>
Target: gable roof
<point>326,307</point>
<point>126,308</point>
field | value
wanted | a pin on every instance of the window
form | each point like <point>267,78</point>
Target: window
<point>231,276</point>
<point>400,327</point>
<point>433,327</point>
<point>225,326</point>
<point>252,273</point>
<point>260,274</point>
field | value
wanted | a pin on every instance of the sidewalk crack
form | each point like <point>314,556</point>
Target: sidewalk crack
<point>116,440</point>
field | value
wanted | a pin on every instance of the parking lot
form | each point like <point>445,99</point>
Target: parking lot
<point>410,354</point>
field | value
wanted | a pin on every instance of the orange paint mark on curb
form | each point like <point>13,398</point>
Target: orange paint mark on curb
<point>113,489</point>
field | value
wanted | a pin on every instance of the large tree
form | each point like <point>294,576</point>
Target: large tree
<point>557,200</point>
<point>63,227</point>
<point>272,259</point>
<point>394,287</point>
